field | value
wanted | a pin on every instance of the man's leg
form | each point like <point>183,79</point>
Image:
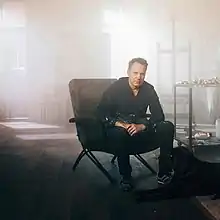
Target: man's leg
<point>124,165</point>
<point>119,139</point>
<point>162,137</point>
<point>165,137</point>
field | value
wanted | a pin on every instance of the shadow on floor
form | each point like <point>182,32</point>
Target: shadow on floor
<point>193,177</point>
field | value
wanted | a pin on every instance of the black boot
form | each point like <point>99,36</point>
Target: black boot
<point>126,184</point>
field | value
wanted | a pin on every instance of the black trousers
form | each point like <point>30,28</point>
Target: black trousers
<point>125,145</point>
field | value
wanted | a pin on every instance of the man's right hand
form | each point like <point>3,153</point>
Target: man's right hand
<point>131,128</point>
<point>122,124</point>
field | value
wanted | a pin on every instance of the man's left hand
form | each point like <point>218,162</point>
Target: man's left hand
<point>135,128</point>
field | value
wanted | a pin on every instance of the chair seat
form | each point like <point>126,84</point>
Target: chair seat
<point>107,147</point>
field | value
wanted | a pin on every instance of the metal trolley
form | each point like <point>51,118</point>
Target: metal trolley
<point>187,139</point>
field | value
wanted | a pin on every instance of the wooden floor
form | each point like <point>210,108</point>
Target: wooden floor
<point>36,181</point>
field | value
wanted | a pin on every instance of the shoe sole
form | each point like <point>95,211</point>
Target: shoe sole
<point>164,182</point>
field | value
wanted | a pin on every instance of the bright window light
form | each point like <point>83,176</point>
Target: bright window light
<point>113,18</point>
<point>128,40</point>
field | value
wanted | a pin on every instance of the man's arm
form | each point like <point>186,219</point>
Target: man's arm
<point>106,108</point>
<point>157,114</point>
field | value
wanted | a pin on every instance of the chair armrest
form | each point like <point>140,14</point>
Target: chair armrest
<point>72,120</point>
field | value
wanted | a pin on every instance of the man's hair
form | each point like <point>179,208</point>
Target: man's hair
<point>142,61</point>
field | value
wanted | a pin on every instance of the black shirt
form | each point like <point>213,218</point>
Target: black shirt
<point>118,103</point>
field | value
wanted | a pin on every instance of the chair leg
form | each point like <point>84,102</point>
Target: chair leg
<point>144,162</point>
<point>81,155</point>
<point>99,165</point>
<point>113,159</point>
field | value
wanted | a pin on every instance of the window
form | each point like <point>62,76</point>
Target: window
<point>12,14</point>
<point>12,37</point>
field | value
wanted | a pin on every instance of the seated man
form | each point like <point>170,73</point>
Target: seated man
<point>123,110</point>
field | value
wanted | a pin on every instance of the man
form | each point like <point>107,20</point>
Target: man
<point>123,111</point>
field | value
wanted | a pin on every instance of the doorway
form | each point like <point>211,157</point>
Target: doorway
<point>13,80</point>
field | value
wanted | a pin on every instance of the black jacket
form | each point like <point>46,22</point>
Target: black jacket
<point>119,104</point>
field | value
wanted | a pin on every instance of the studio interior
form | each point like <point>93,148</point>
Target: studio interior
<point>57,58</point>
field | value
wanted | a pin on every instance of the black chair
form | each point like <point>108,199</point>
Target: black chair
<point>85,96</point>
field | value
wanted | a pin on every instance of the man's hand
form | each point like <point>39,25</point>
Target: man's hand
<point>135,128</point>
<point>122,124</point>
<point>131,128</point>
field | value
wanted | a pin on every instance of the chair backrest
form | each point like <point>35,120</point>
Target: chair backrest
<point>86,95</point>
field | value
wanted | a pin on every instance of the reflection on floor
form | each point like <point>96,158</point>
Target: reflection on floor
<point>47,136</point>
<point>35,131</point>
<point>27,125</point>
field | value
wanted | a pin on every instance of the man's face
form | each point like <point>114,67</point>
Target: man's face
<point>136,74</point>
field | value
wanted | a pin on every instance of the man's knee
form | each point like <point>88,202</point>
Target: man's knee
<point>119,139</point>
<point>165,126</point>
<point>117,133</point>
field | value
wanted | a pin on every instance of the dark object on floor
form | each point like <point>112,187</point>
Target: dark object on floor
<point>85,96</point>
<point>192,178</point>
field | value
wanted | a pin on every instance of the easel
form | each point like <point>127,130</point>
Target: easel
<point>173,52</point>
